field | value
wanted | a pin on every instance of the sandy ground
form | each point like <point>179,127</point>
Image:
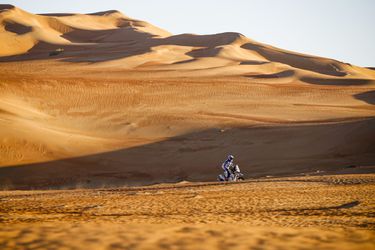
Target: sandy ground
<point>318,212</point>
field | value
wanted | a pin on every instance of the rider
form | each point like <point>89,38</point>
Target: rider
<point>228,166</point>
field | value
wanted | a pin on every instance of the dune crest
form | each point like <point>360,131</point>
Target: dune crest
<point>111,38</point>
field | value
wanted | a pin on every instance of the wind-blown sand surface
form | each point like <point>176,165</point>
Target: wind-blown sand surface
<point>102,100</point>
<point>321,212</point>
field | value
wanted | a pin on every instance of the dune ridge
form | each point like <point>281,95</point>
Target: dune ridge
<point>112,40</point>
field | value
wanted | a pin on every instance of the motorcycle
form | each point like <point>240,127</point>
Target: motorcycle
<point>238,176</point>
<point>235,176</point>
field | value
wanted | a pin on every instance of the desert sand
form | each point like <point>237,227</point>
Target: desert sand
<point>102,100</point>
<point>319,212</point>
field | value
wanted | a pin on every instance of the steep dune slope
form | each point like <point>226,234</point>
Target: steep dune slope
<point>60,132</point>
<point>27,30</point>
<point>22,30</point>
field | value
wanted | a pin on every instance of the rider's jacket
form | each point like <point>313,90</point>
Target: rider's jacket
<point>227,164</point>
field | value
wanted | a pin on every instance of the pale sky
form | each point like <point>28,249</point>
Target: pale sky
<point>339,29</point>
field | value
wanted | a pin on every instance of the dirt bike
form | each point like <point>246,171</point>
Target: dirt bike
<point>234,176</point>
<point>238,176</point>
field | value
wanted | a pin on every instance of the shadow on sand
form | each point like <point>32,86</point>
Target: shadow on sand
<point>368,97</point>
<point>316,64</point>
<point>337,82</point>
<point>95,46</point>
<point>260,151</point>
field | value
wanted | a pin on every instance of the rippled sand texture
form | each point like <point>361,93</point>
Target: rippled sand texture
<point>320,212</point>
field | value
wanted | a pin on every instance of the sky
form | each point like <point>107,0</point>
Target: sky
<point>338,29</point>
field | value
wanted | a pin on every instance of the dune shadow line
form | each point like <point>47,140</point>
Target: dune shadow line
<point>273,150</point>
<point>337,82</point>
<point>368,97</point>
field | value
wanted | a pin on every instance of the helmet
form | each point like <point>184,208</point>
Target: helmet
<point>230,157</point>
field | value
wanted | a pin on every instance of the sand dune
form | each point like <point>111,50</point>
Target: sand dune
<point>129,43</point>
<point>136,131</point>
